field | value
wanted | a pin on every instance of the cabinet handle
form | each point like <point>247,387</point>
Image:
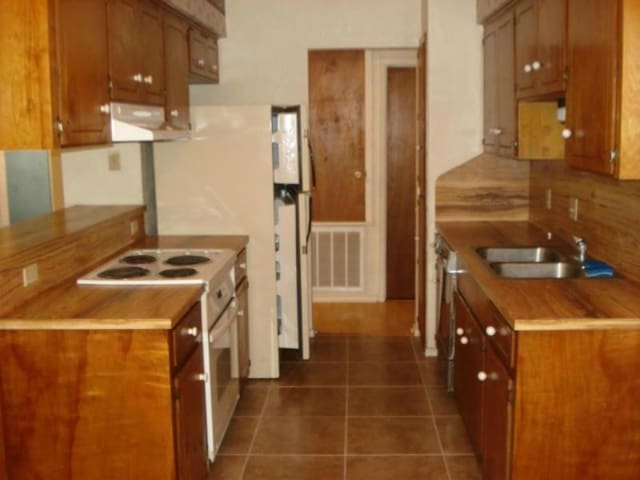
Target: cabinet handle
<point>464,340</point>
<point>243,266</point>
<point>240,313</point>
<point>137,78</point>
<point>536,65</point>
<point>491,331</point>
<point>148,79</point>
<point>482,376</point>
<point>214,68</point>
<point>201,62</point>
<point>460,331</point>
<point>495,131</point>
<point>527,68</point>
<point>174,113</point>
<point>190,332</point>
<point>566,133</point>
<point>200,377</point>
<point>106,109</point>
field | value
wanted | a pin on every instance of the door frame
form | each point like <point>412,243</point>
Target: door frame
<point>381,60</point>
<point>4,195</point>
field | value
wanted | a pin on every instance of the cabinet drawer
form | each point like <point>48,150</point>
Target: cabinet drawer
<point>240,267</point>
<point>186,336</point>
<point>203,57</point>
<point>498,331</point>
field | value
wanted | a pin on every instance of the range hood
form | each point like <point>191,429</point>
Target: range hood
<point>142,123</point>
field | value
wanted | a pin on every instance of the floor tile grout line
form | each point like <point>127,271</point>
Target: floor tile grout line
<point>444,460</point>
<point>255,432</point>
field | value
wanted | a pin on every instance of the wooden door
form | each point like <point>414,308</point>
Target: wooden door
<point>3,467</point>
<point>552,20</point>
<point>401,182</point>
<point>489,47</point>
<point>497,418</point>
<point>468,362</point>
<point>421,188</point>
<point>336,127</point>
<point>592,52</point>
<point>83,74</point>
<point>506,95</point>
<point>176,68</point>
<point>190,419</point>
<point>525,47</point>
<point>124,64</point>
<point>152,51</point>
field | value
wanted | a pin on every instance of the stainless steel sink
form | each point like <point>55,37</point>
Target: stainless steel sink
<point>538,269</point>
<point>519,254</point>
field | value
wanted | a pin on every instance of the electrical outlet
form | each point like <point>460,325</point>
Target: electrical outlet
<point>133,227</point>
<point>547,199</point>
<point>114,161</point>
<point>30,274</point>
<point>573,209</point>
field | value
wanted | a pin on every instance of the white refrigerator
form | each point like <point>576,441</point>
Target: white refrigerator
<point>247,170</point>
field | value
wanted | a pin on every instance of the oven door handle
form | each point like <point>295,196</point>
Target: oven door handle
<point>229,316</point>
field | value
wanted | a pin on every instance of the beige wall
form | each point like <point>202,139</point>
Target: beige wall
<point>454,106</point>
<point>264,57</point>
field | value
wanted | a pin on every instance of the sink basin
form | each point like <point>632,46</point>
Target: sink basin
<point>519,254</point>
<point>538,269</point>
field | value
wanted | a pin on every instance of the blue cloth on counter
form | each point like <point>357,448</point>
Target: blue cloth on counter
<point>596,268</point>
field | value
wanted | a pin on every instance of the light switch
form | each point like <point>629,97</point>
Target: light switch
<point>547,199</point>
<point>114,161</point>
<point>30,274</point>
<point>573,209</point>
<point>133,227</point>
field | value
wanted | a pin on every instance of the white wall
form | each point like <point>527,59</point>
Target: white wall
<point>87,179</point>
<point>264,57</point>
<point>454,107</point>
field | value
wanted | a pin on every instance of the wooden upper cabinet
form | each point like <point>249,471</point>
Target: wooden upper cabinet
<point>219,4</point>
<point>83,76</point>
<point>592,61</point>
<point>136,51</point>
<point>486,8</point>
<point>203,57</point>
<point>499,101</point>
<point>176,68</point>
<point>540,47</point>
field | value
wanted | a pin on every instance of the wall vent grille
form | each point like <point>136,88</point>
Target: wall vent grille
<point>337,258</point>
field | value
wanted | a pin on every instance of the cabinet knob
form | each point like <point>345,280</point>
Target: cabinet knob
<point>464,340</point>
<point>148,79</point>
<point>490,331</point>
<point>174,113</point>
<point>527,68</point>
<point>201,62</point>
<point>240,313</point>
<point>566,133</point>
<point>495,131</point>
<point>536,65</point>
<point>459,331</point>
<point>358,174</point>
<point>200,377</point>
<point>106,109</point>
<point>190,332</point>
<point>482,376</point>
<point>243,266</point>
<point>214,68</point>
<point>137,78</point>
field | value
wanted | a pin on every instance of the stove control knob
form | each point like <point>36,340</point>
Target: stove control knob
<point>191,331</point>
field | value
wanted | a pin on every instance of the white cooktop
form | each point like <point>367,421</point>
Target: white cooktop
<point>144,267</point>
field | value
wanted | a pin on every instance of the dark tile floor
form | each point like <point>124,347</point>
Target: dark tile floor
<point>361,408</point>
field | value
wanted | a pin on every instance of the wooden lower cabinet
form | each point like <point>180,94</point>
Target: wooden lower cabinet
<point>96,404</point>
<point>567,409</point>
<point>242,295</point>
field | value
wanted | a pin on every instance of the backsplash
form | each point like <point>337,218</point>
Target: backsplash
<point>608,213</point>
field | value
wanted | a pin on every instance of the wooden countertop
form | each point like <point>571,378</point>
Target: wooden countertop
<point>542,304</point>
<point>68,306</point>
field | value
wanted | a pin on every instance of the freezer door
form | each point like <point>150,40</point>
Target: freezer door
<point>286,147</point>
<point>304,231</point>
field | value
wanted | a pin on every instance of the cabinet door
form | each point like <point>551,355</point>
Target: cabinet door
<point>83,75</point>
<point>203,57</point>
<point>526,53</point>
<point>190,419</point>
<point>489,46</point>
<point>124,43</point>
<point>219,4</point>
<point>592,50</point>
<point>506,81</point>
<point>176,57</point>
<point>497,418</point>
<point>243,329</point>
<point>468,363</point>
<point>151,51</point>
<point>552,18</point>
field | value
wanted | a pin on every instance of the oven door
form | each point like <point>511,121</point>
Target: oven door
<point>225,383</point>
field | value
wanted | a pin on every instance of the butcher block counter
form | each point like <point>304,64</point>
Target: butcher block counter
<point>97,382</point>
<point>542,304</point>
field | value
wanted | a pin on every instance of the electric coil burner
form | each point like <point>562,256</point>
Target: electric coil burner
<point>122,273</point>
<point>178,272</point>
<point>138,259</point>
<point>183,260</point>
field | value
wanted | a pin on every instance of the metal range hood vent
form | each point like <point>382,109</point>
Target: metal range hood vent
<point>142,123</point>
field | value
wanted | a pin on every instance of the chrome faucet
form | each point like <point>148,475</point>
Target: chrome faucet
<point>582,248</point>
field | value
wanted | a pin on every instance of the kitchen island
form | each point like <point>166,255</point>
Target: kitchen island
<point>95,380</point>
<point>545,369</point>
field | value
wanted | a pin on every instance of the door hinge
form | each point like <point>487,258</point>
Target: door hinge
<point>511,396</point>
<point>59,126</point>
<point>613,157</point>
<point>110,84</point>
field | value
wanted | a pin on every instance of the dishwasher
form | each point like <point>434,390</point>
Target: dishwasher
<point>447,269</point>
